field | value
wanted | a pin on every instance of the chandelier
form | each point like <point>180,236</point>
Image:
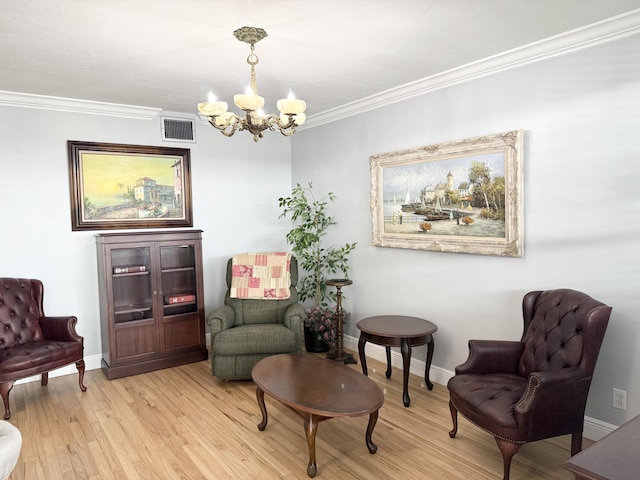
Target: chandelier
<point>254,121</point>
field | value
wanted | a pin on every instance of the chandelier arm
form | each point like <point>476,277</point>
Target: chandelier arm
<point>229,127</point>
<point>288,132</point>
<point>289,124</point>
<point>286,129</point>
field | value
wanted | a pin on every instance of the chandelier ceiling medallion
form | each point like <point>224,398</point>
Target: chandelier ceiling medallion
<point>255,121</point>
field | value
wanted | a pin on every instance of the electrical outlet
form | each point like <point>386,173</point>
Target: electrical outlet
<point>619,399</point>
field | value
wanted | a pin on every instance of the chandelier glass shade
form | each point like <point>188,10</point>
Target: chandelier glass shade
<point>254,121</point>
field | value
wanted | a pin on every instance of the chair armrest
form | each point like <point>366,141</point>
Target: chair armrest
<point>490,356</point>
<point>221,318</point>
<point>551,389</point>
<point>293,313</point>
<point>294,320</point>
<point>553,403</point>
<point>61,329</point>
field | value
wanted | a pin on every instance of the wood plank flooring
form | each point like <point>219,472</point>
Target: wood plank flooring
<point>182,423</point>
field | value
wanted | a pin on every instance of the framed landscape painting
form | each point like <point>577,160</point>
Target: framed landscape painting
<point>117,186</point>
<point>462,196</point>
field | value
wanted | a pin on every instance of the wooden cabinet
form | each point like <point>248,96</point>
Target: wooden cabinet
<point>151,300</point>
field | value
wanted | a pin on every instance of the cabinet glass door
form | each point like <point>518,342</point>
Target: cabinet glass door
<point>178,267</point>
<point>132,297</point>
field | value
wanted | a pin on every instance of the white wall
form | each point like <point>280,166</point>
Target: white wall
<point>236,184</point>
<point>581,116</point>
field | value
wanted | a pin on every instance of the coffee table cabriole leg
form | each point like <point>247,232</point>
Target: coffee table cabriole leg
<point>310,430</point>
<point>373,418</point>
<point>263,408</point>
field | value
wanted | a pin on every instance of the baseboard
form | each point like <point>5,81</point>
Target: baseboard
<point>593,429</point>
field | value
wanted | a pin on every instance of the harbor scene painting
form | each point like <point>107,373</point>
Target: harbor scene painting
<point>462,196</point>
<point>127,186</point>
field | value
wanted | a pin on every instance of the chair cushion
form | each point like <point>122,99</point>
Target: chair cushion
<point>251,311</point>
<point>36,357</point>
<point>491,396</point>
<point>243,339</point>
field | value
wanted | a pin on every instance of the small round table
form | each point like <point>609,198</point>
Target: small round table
<point>398,331</point>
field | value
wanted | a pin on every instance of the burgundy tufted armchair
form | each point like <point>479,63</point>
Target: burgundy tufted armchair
<point>535,388</point>
<point>30,342</point>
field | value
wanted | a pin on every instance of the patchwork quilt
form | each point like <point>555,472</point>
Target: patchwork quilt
<point>263,275</point>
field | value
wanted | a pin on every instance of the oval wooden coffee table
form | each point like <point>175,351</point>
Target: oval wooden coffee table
<point>398,331</point>
<point>317,389</point>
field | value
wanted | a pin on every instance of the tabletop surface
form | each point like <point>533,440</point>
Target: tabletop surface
<point>397,326</point>
<point>613,457</point>
<point>308,383</point>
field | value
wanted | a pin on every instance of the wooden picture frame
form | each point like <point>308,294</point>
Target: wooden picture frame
<point>119,186</point>
<point>463,196</point>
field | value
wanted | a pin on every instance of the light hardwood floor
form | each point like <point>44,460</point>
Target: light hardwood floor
<point>182,423</point>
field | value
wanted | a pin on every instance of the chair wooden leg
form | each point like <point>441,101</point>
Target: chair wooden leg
<point>80,367</point>
<point>45,379</point>
<point>576,442</point>
<point>508,450</point>
<point>454,419</point>
<point>5,388</point>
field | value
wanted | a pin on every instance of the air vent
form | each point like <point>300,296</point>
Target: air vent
<point>178,130</point>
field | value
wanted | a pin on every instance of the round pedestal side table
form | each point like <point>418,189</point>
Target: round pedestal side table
<point>398,331</point>
<point>339,355</point>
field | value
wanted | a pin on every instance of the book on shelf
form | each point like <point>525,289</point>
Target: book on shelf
<point>130,269</point>
<point>173,299</point>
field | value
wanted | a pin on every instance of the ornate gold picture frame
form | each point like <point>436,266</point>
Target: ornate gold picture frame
<point>462,196</point>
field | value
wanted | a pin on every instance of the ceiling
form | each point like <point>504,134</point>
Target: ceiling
<point>169,54</point>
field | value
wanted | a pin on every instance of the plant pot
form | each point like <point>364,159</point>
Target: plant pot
<point>314,344</point>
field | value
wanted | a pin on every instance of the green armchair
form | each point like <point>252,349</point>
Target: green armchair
<point>244,331</point>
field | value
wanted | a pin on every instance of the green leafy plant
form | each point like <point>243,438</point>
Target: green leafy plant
<point>311,222</point>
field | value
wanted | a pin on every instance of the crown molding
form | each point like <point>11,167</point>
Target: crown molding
<point>61,104</point>
<point>612,29</point>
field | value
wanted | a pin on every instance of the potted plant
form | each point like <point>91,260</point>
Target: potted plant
<point>318,261</point>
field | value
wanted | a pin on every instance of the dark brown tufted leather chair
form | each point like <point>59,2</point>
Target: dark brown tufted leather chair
<point>30,342</point>
<point>535,388</point>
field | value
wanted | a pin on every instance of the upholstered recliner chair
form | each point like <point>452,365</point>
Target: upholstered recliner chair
<point>246,330</point>
<point>30,342</point>
<point>535,388</point>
